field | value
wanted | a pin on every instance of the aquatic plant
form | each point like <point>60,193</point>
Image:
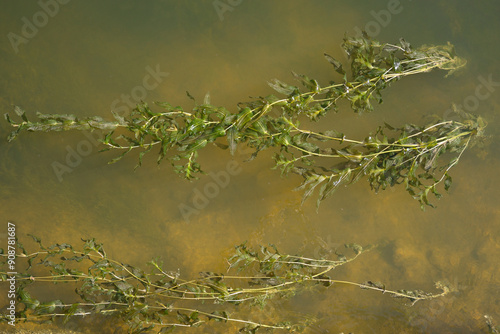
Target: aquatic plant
<point>408,154</point>
<point>161,300</point>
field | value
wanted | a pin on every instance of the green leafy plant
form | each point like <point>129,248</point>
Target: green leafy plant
<point>162,300</point>
<point>390,155</point>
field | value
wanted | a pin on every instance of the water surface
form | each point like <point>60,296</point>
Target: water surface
<point>90,57</point>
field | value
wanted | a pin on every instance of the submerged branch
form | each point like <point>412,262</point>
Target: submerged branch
<point>157,299</point>
<point>410,156</point>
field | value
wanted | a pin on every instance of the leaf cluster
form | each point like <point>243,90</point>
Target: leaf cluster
<point>409,155</point>
<point>55,122</point>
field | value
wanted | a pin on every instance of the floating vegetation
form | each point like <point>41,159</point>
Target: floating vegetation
<point>161,300</point>
<point>410,154</point>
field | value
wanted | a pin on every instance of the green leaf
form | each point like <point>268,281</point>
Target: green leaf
<point>231,139</point>
<point>197,145</point>
<point>218,316</point>
<point>7,118</point>
<point>120,156</point>
<point>447,182</point>
<point>183,319</point>
<point>310,184</point>
<point>325,280</point>
<point>190,96</point>
<point>13,135</point>
<point>376,285</point>
<point>21,113</point>
<point>206,100</point>
<point>336,64</point>
<point>282,87</point>
<point>70,312</point>
<point>141,154</point>
<point>244,117</point>
<point>358,249</point>
<point>25,298</point>
<point>48,308</point>
<point>123,286</point>
<point>309,147</point>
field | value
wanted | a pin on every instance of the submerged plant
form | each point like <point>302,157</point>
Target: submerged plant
<point>162,300</point>
<point>390,155</point>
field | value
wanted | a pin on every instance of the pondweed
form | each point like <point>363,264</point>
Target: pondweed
<point>162,300</point>
<point>409,154</point>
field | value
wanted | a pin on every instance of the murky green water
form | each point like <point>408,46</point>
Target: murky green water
<point>91,57</point>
